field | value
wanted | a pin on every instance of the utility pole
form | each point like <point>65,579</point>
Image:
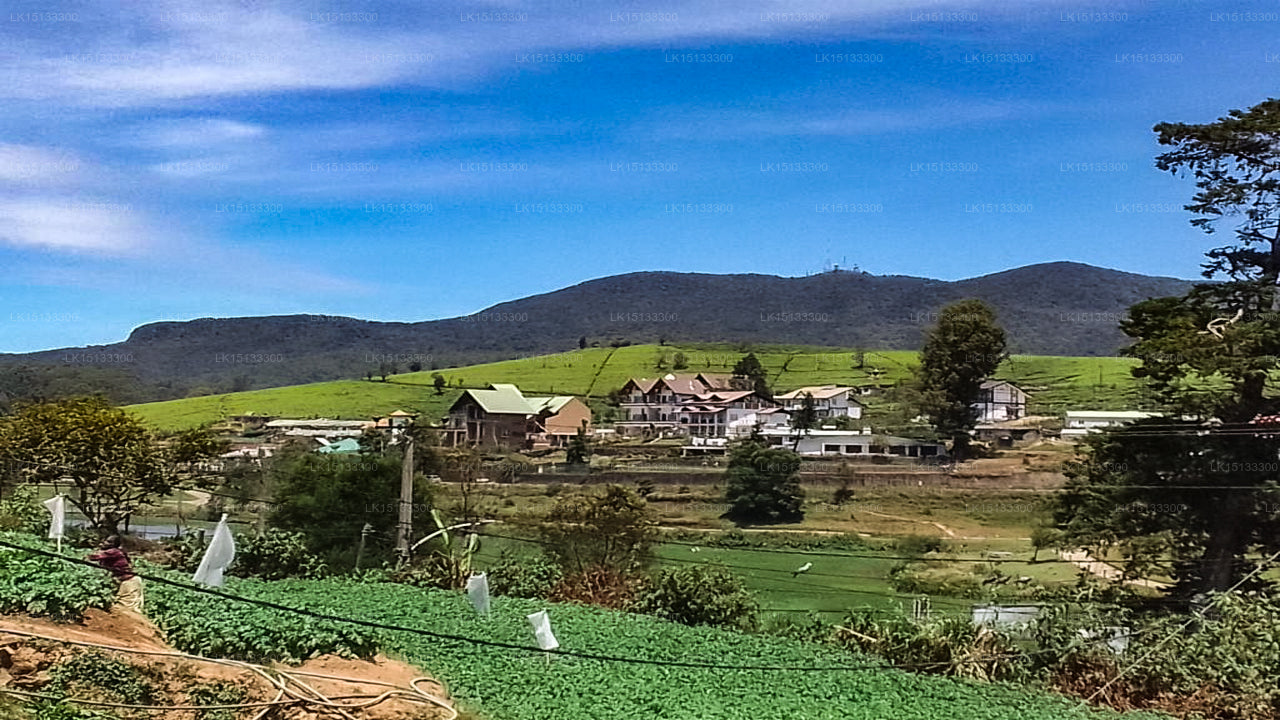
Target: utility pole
<point>404,530</point>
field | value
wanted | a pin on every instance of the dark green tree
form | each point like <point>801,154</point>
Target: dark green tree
<point>749,374</point>
<point>960,352</point>
<point>1201,484</point>
<point>578,451</point>
<point>438,382</point>
<point>329,498</point>
<point>803,420</point>
<point>762,486</point>
<point>679,361</point>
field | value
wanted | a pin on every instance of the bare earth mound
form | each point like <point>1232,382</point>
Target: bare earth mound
<point>378,689</point>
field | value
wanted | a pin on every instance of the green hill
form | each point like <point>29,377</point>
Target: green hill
<point>1056,383</point>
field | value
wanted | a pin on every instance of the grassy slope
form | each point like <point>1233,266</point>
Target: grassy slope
<point>1058,382</point>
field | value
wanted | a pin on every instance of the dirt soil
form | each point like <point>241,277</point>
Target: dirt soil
<point>25,663</point>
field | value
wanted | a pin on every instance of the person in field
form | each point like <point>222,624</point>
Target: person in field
<point>111,557</point>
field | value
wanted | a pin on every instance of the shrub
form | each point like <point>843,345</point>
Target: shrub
<point>527,576</point>
<point>922,579</point>
<point>98,676</point>
<point>944,646</point>
<point>275,555</point>
<point>699,595</point>
<point>22,512</point>
<point>916,545</point>
<point>216,692</point>
<point>843,494</point>
<point>614,529</point>
<point>601,586</point>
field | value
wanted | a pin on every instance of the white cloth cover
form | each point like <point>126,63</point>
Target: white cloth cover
<point>219,554</point>
<point>57,507</point>
<point>478,592</point>
<point>542,630</point>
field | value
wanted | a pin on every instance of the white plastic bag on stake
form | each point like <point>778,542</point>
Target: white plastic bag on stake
<point>57,507</point>
<point>542,630</point>
<point>220,553</point>
<point>478,593</point>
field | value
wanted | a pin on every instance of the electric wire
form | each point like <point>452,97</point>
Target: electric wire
<point>601,657</point>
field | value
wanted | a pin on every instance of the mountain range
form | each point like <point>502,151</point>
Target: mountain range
<point>1059,308</point>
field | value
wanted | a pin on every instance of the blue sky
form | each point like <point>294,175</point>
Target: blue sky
<point>178,160</point>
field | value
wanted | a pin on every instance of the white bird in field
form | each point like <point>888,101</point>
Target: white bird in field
<point>694,549</point>
<point>803,568</point>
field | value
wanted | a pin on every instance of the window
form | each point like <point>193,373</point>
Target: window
<point>830,448</point>
<point>876,449</point>
<point>853,449</point>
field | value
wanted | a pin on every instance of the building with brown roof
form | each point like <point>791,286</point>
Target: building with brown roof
<point>829,401</point>
<point>502,417</point>
<point>701,405</point>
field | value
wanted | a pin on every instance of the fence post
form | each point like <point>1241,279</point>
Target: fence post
<point>364,534</point>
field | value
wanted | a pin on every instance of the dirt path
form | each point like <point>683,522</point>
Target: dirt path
<point>1083,560</point>
<point>24,661</point>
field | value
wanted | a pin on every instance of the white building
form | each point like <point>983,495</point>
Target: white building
<point>1079,423</point>
<point>829,401</point>
<point>1000,401</point>
<point>855,443</point>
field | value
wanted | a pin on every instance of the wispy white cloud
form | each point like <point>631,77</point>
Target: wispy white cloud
<point>170,51</point>
<point>71,225</point>
<point>30,165</point>
<point>183,132</point>
<point>788,119</point>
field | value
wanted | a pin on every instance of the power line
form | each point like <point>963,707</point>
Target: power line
<point>531,649</point>
<point>1177,631</point>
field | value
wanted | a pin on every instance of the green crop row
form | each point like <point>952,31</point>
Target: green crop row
<point>216,627</point>
<point>45,586</point>
<point>509,684</point>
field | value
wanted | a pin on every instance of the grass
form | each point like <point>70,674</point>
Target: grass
<point>982,521</point>
<point>343,399</point>
<point>1056,383</point>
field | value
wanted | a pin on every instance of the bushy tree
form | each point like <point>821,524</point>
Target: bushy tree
<point>960,352</point>
<point>761,484</point>
<point>107,455</point>
<point>615,528</point>
<point>749,374</point>
<point>699,595</point>
<point>329,498</point>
